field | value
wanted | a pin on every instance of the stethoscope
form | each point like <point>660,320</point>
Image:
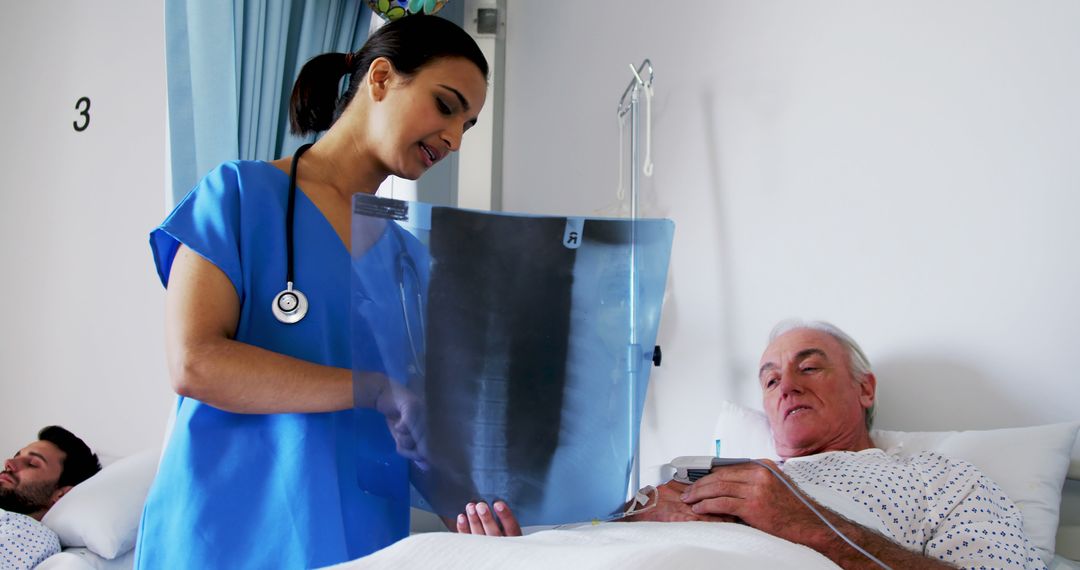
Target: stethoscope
<point>406,269</point>
<point>291,305</point>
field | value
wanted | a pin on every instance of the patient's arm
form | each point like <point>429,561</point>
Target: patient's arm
<point>670,508</point>
<point>754,495</point>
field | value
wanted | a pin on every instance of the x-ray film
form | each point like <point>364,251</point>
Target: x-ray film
<point>524,344</point>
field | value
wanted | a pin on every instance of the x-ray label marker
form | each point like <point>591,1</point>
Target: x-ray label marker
<point>572,235</point>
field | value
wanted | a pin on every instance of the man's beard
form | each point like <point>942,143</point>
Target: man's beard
<point>27,501</point>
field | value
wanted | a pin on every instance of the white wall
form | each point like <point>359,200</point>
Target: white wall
<point>475,157</point>
<point>907,170</point>
<point>82,333</point>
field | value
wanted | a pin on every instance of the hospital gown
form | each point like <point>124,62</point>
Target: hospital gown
<point>24,542</point>
<point>943,508</point>
<point>280,490</point>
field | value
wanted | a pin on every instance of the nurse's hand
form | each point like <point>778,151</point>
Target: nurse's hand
<point>477,519</point>
<point>404,413</point>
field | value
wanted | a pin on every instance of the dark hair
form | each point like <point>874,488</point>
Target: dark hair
<point>409,43</point>
<point>79,462</point>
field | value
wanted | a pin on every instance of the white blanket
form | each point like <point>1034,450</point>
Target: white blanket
<point>645,545</point>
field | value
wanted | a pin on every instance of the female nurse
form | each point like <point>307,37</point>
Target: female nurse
<point>264,464</point>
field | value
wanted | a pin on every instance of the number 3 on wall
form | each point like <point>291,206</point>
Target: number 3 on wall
<point>83,107</point>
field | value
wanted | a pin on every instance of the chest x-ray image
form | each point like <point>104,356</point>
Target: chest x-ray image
<point>527,341</point>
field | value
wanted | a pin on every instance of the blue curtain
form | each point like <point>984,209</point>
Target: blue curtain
<point>231,66</point>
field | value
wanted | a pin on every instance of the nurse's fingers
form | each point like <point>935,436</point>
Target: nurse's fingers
<point>506,517</point>
<point>462,524</point>
<point>475,526</point>
<point>491,527</point>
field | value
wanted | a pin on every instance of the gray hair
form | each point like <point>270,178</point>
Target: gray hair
<point>858,363</point>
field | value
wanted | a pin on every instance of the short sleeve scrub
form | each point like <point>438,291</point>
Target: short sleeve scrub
<point>274,490</point>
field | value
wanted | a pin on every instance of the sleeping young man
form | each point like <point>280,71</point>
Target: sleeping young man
<point>30,484</point>
<point>925,511</point>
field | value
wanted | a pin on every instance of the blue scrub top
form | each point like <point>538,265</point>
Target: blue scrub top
<point>280,490</point>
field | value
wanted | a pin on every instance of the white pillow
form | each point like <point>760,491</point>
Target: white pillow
<point>741,432</point>
<point>102,513</point>
<point>1028,463</point>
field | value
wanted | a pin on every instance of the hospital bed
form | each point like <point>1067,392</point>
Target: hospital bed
<point>1030,464</point>
<point>98,520</point>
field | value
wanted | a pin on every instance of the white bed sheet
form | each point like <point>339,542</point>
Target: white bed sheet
<point>627,546</point>
<point>83,559</point>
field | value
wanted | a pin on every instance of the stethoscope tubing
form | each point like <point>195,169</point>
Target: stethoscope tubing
<point>406,269</point>
<point>290,213</point>
<point>290,305</point>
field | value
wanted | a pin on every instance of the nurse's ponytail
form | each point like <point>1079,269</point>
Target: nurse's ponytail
<point>313,106</point>
<point>409,43</point>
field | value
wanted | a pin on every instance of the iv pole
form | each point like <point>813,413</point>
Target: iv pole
<point>635,354</point>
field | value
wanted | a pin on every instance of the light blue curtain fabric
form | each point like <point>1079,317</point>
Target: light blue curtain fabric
<point>231,66</point>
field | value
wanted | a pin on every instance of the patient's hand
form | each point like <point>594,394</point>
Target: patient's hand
<point>755,496</point>
<point>671,508</point>
<point>477,519</point>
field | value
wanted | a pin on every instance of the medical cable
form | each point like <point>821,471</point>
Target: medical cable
<point>799,496</point>
<point>641,503</point>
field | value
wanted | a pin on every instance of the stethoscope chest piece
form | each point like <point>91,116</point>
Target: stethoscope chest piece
<point>290,305</point>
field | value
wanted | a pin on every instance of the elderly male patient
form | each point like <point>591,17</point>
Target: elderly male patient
<point>30,484</point>
<point>926,511</point>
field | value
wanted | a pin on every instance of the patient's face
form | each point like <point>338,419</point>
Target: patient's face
<point>28,483</point>
<point>811,397</point>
